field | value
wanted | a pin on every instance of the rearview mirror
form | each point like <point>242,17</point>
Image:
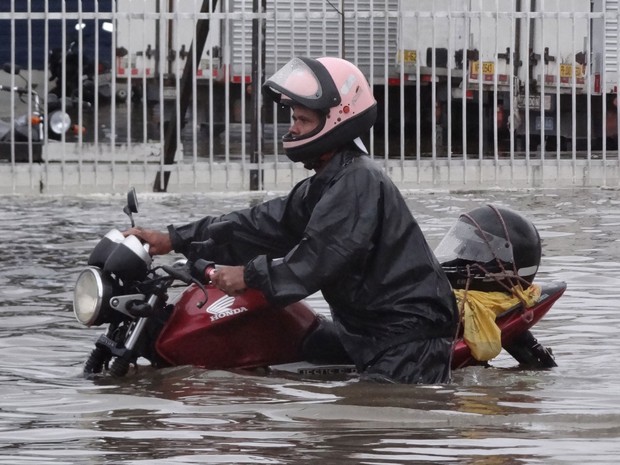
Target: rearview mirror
<point>11,68</point>
<point>132,205</point>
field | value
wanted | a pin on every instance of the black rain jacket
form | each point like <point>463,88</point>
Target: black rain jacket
<point>347,232</point>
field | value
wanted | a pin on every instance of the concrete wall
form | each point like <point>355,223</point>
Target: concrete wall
<point>70,178</point>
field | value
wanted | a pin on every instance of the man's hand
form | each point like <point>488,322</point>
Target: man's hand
<point>159,242</point>
<point>229,279</point>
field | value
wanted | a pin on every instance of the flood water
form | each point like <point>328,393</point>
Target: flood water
<point>500,415</point>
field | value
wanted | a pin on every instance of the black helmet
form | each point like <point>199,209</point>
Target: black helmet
<point>490,249</point>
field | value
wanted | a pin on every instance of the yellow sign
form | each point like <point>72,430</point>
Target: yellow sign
<point>488,68</point>
<point>566,71</point>
<point>408,56</point>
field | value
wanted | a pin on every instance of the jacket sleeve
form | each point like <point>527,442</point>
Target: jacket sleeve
<point>338,237</point>
<point>253,231</point>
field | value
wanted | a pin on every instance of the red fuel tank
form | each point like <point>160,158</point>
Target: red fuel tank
<point>233,332</point>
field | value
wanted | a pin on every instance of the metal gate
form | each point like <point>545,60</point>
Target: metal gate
<point>165,94</point>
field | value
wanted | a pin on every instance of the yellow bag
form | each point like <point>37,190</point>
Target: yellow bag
<point>478,312</point>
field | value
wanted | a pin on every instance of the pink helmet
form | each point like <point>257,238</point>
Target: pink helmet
<point>335,88</point>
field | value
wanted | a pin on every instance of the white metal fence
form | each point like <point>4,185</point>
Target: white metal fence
<point>163,95</point>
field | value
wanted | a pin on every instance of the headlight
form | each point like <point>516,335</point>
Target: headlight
<point>91,297</point>
<point>59,122</point>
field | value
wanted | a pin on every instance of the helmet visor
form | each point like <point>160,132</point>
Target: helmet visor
<point>305,82</point>
<point>466,242</point>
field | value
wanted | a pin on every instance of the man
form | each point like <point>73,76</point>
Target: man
<point>345,231</point>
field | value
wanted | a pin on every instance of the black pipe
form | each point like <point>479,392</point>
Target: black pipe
<point>170,140</point>
<point>258,56</point>
<point>517,57</point>
<point>532,39</point>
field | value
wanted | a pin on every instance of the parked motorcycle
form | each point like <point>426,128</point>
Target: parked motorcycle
<point>31,127</point>
<point>203,327</point>
<point>80,71</point>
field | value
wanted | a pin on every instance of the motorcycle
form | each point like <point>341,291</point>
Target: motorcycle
<point>80,70</point>
<point>31,128</point>
<point>203,327</point>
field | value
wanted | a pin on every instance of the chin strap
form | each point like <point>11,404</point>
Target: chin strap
<point>313,164</point>
<point>319,162</point>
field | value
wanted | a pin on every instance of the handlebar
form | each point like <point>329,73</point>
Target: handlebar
<point>180,273</point>
<point>200,271</point>
<point>17,90</point>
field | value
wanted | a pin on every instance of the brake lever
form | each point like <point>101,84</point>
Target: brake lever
<point>191,273</point>
<point>220,234</point>
<point>201,249</point>
<point>181,273</point>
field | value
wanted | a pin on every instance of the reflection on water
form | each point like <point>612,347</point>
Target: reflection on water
<point>500,415</point>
